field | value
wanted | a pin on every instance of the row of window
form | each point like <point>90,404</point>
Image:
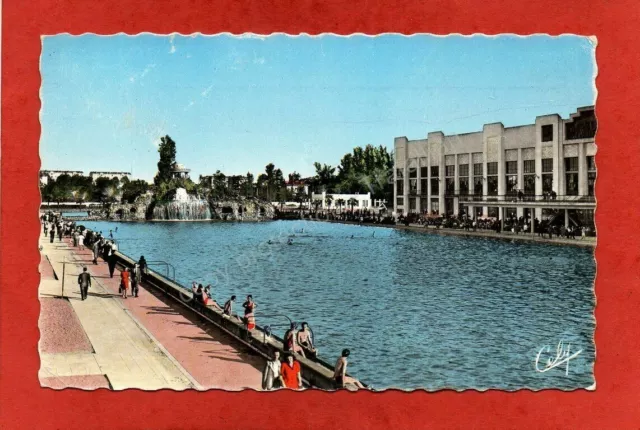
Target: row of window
<point>511,167</point>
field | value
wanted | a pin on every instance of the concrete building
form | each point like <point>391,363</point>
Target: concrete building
<point>110,175</point>
<point>548,167</point>
<point>357,201</point>
<point>52,175</point>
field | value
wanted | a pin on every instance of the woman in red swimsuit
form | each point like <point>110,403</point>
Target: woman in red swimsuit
<point>249,306</point>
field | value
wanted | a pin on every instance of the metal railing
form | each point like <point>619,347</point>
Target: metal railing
<point>526,198</point>
<point>167,266</point>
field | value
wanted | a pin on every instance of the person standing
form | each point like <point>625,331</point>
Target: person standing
<point>111,259</point>
<point>290,375</point>
<point>124,282</point>
<point>60,232</point>
<point>136,278</point>
<point>271,373</point>
<point>52,234</point>
<point>84,281</point>
<point>81,241</point>
<point>249,317</point>
<point>143,265</point>
<point>96,251</point>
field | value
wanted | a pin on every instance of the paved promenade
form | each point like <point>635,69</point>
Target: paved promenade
<point>144,342</point>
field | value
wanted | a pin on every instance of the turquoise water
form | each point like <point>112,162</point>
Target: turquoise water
<point>417,310</point>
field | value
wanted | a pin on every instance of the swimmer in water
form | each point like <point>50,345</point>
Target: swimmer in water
<point>374,234</point>
<point>289,242</point>
<point>351,236</point>
<point>269,242</point>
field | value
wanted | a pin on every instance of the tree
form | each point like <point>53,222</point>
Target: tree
<point>131,190</point>
<point>352,202</point>
<point>325,176</point>
<point>329,200</point>
<point>248,185</point>
<point>167,151</point>
<point>340,203</point>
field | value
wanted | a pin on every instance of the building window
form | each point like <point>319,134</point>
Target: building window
<point>492,179</point>
<point>477,185</point>
<point>492,212</point>
<point>424,172</point>
<point>591,163</point>
<point>571,164</point>
<point>492,185</point>
<point>399,173</point>
<point>450,186</point>
<point>529,166</point>
<point>423,204</point>
<point>450,170</point>
<point>424,184</point>
<point>512,167</point>
<point>399,187</point>
<point>547,133</point>
<point>399,201</point>
<point>492,168</point>
<point>435,206</point>
<point>435,171</point>
<point>547,183</point>
<point>547,165</point>
<point>435,186</point>
<point>591,182</point>
<point>413,186</point>
<point>464,186</point>
<point>413,172</point>
<point>463,170</point>
<point>571,175</point>
<point>529,185</point>
<point>477,169</point>
<point>412,204</point>
<point>512,185</point>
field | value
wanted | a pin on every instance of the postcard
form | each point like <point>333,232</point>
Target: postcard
<point>275,212</point>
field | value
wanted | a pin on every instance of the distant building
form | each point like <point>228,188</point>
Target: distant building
<point>109,175</point>
<point>52,175</point>
<point>294,186</point>
<point>547,167</point>
<point>360,201</point>
<point>179,171</point>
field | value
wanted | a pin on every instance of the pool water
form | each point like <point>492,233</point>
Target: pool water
<point>416,310</point>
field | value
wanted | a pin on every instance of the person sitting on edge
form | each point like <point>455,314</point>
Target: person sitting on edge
<point>340,372</point>
<point>288,339</point>
<point>305,340</point>
<point>228,306</point>
<point>290,375</point>
<point>271,373</point>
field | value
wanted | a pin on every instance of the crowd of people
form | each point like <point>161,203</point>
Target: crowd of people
<point>511,224</point>
<point>359,216</point>
<point>297,342</point>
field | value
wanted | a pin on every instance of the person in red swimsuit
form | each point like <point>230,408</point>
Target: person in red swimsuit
<point>249,306</point>
<point>290,375</point>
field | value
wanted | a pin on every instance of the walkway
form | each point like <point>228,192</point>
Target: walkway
<point>142,342</point>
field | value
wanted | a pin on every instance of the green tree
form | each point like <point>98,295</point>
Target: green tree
<point>167,151</point>
<point>340,203</point>
<point>131,190</point>
<point>325,176</point>
<point>352,202</point>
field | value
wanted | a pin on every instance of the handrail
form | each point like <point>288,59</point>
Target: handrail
<point>514,197</point>
<point>167,265</point>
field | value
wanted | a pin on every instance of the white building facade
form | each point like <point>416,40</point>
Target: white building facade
<point>530,170</point>
<point>109,175</point>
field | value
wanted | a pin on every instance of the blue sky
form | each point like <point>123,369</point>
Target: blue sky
<point>237,103</point>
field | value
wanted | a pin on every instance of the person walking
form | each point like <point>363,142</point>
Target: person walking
<point>125,282</point>
<point>84,281</point>
<point>52,234</point>
<point>81,241</point>
<point>96,251</point>
<point>60,232</point>
<point>271,373</point>
<point>290,375</point>
<point>136,278</point>
<point>111,260</point>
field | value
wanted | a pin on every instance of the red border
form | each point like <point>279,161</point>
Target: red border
<point>613,405</point>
